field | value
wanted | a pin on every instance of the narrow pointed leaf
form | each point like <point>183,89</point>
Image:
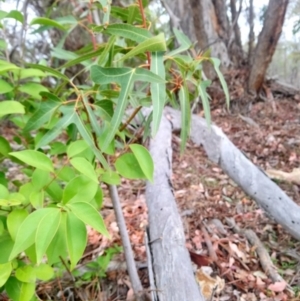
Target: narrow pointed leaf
<point>153,44</point>
<point>184,42</point>
<point>68,118</point>
<point>35,159</point>
<point>129,31</point>
<point>109,75</point>
<point>47,22</point>
<point>49,70</point>
<point>185,116</point>
<point>89,215</point>
<point>205,100</point>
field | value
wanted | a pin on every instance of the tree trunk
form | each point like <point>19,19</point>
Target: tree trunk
<point>266,44</point>
<point>251,33</point>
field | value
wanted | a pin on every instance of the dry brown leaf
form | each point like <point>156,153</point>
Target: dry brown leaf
<point>277,287</point>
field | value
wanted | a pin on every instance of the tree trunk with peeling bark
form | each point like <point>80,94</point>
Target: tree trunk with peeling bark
<point>266,44</point>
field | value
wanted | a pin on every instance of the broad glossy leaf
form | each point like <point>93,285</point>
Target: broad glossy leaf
<point>76,237</point>
<point>26,274</point>
<point>58,246</point>
<point>158,90</point>
<point>35,159</point>
<point>80,189</point>
<point>157,75</point>
<point>47,22</point>
<point>6,246</point>
<point>26,232</point>
<point>66,173</point>
<point>46,230</point>
<point>129,31</point>
<point>84,167</point>
<point>76,148</point>
<point>4,147</point>
<point>11,107</point>
<point>42,115</point>
<point>14,221</point>
<point>144,159</point>
<point>19,291</point>
<point>111,178</point>
<point>4,193</point>
<point>40,179</point>
<point>89,215</point>
<point>33,89</point>
<point>5,87</point>
<point>37,199</point>
<point>5,270</point>
<point>153,44</point>
<point>29,72</point>
<point>109,75</point>
<point>44,272</point>
<point>128,166</point>
<point>6,66</point>
<point>185,116</point>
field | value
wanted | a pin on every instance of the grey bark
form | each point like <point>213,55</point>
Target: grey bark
<point>172,268</point>
<point>243,172</point>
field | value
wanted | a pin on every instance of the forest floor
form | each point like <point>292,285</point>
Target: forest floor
<point>270,136</point>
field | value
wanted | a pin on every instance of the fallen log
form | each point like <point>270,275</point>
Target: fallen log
<point>172,268</point>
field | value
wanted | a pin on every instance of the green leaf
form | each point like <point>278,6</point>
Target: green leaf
<point>49,70</point>
<point>6,246</point>
<point>14,221</point>
<point>4,193</point>
<point>184,42</point>
<point>5,270</point>
<point>40,179</point>
<point>13,14</point>
<point>110,177</point>
<point>76,238</point>
<point>33,89</point>
<point>26,232</point>
<point>82,58</point>
<point>11,107</point>
<point>5,87</point>
<point>4,147</point>
<point>185,116</point>
<point>109,45</point>
<point>93,120</point>
<point>37,199</point>
<point>6,66</point>
<point>89,140</point>
<point>42,115</point>
<point>128,166</point>
<point>30,72</point>
<point>68,118</point>
<point>128,31</point>
<point>58,148</point>
<point>76,148</point>
<point>89,215</point>
<point>58,246</point>
<point>205,101</point>
<point>158,90</point>
<point>47,22</point>
<point>80,189</point>
<point>153,44</point>
<point>144,159</point>
<point>44,272</point>
<point>26,274</point>
<point>46,229</point>
<point>142,74</point>
<point>35,159</point>
<point>216,63</point>
<point>84,167</point>
<point>19,291</point>
<point>66,174</point>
